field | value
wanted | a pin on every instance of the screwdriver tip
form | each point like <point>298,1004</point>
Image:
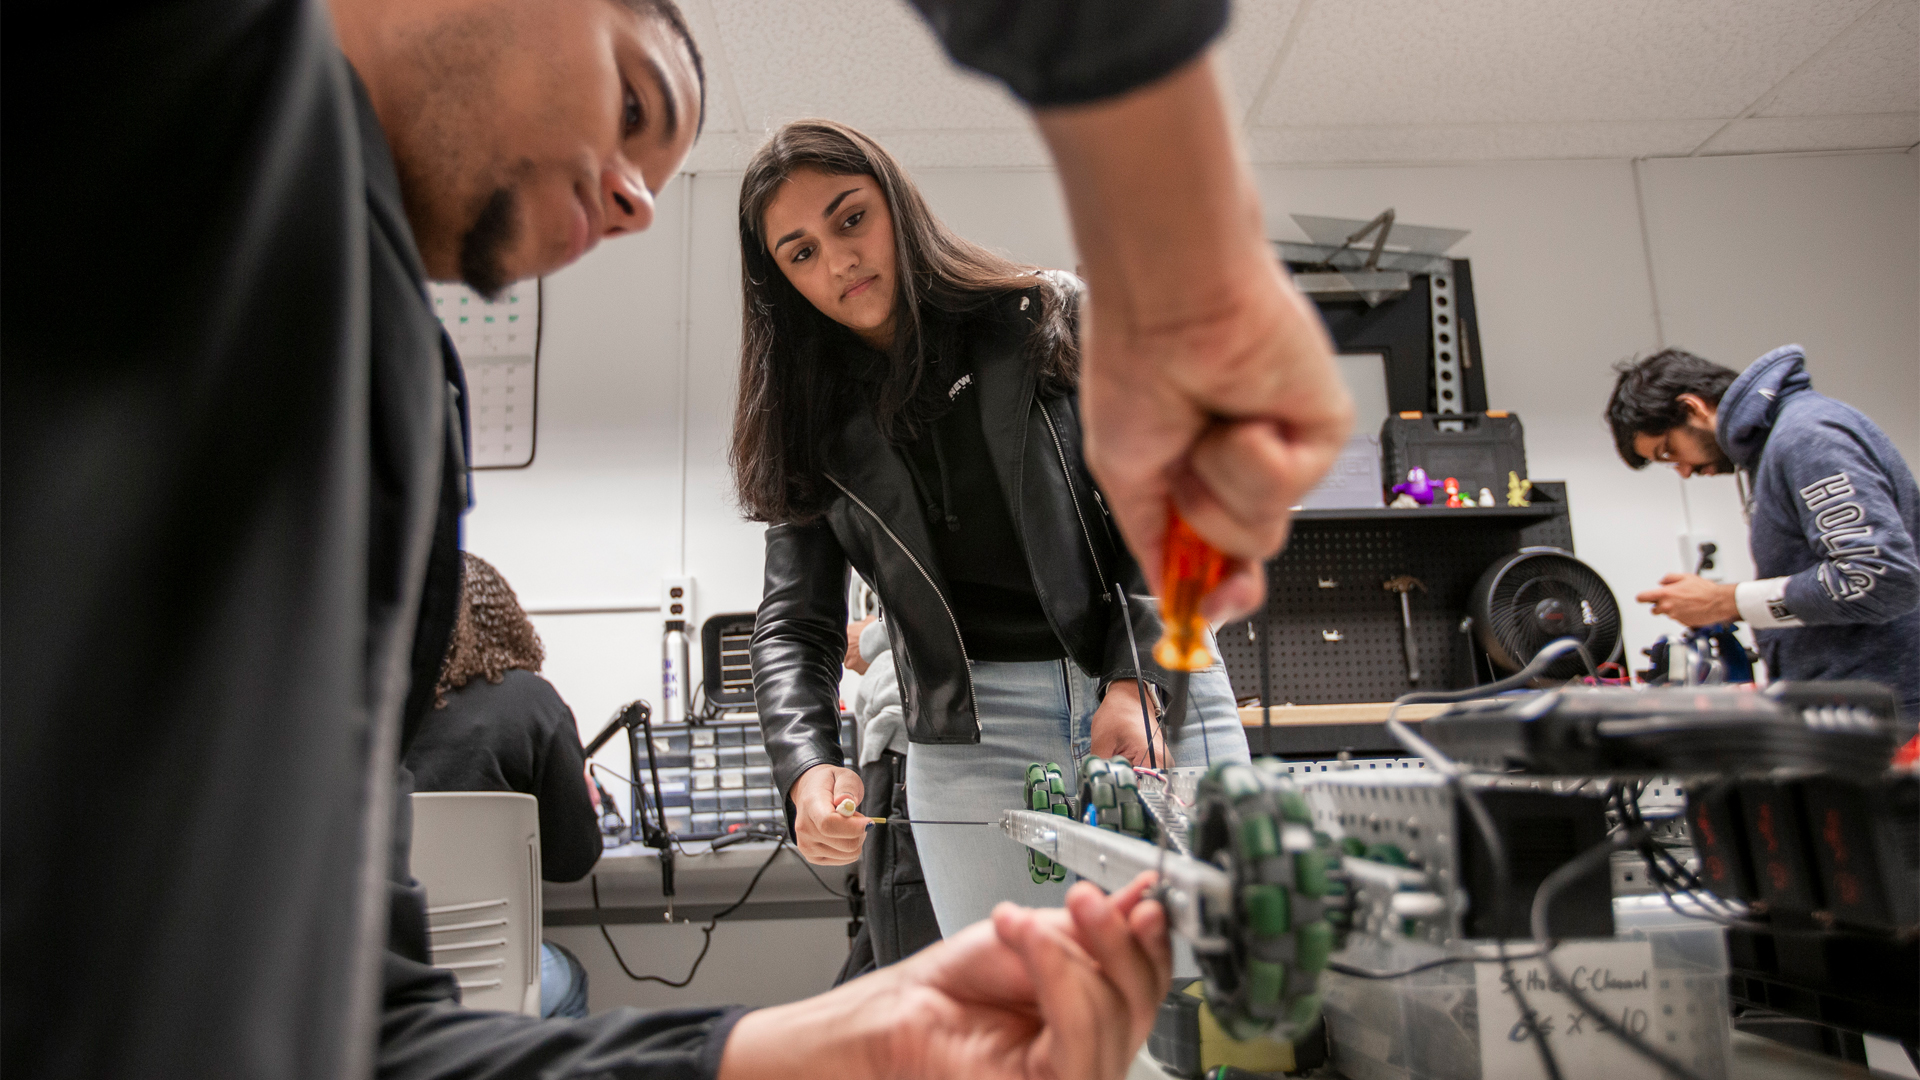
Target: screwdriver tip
<point>1177,704</point>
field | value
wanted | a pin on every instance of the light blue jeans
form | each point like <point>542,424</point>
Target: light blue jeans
<point>563,982</point>
<point>1029,711</point>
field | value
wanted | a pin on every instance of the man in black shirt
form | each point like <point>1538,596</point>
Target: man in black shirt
<point>232,491</point>
<point>234,468</point>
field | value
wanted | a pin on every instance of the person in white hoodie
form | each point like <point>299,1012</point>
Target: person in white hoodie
<point>876,702</point>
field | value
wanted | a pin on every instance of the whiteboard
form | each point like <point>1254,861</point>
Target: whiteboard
<point>1366,377</point>
<point>498,342</point>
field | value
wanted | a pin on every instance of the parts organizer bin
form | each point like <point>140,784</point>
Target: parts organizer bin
<point>717,774</point>
<point>1426,1026</point>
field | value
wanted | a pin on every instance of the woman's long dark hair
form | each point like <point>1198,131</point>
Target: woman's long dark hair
<point>797,378</point>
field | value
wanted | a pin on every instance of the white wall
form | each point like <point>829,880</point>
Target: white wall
<point>640,339</point>
<point>629,482</point>
<point>1561,292</point>
<point>1746,253</point>
<point>1753,253</point>
<point>1743,266</point>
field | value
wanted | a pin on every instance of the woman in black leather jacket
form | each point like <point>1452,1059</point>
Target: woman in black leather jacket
<point>906,407</point>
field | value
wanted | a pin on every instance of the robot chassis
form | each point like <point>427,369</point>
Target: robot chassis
<point>1259,894</point>
<point>1273,874</point>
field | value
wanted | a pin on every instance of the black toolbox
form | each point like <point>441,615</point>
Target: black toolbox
<point>1485,448</point>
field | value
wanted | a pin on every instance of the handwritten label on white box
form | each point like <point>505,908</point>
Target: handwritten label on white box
<point>1617,976</point>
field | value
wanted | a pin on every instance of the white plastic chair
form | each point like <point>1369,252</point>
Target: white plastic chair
<point>477,853</point>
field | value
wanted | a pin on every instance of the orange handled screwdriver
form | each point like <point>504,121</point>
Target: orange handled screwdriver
<point>1190,568</point>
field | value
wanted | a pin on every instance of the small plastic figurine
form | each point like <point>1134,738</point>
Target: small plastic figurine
<point>1486,497</point>
<point>1403,501</point>
<point>1454,498</point>
<point>1418,487</point>
<point>1517,490</point>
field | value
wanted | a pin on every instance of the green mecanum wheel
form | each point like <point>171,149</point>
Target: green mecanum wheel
<point>1046,794</point>
<point>1110,798</point>
<point>1267,982</point>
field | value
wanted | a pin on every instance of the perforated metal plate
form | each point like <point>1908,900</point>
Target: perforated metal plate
<point>1449,388</point>
<point>1336,632</point>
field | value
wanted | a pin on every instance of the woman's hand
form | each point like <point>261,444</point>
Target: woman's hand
<point>1117,728</point>
<point>1054,994</point>
<point>826,836</point>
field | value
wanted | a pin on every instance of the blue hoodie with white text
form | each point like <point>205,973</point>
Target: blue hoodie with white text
<point>1834,519</point>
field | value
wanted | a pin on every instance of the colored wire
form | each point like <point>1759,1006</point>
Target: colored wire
<point>781,844</point>
<point>1483,821</point>
<point>1497,856</point>
<point>816,876</point>
<point>1667,873</point>
<point>1206,746</point>
<point>1266,668</point>
<point>1364,973</point>
<point>1139,679</point>
<point>627,780</point>
<point>1572,871</point>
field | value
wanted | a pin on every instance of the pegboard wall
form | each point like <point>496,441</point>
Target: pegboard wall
<point>1335,633</point>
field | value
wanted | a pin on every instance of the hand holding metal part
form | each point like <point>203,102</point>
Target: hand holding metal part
<point>1111,860</point>
<point>1253,899</point>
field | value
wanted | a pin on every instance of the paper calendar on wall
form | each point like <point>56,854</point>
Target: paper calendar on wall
<point>499,346</point>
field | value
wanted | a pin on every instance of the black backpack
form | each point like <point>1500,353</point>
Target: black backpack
<point>892,913</point>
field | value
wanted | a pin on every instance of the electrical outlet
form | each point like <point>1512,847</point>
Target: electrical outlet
<point>676,600</point>
<point>1700,554</point>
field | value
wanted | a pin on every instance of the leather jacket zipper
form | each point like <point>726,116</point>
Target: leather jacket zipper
<point>973,703</point>
<point>1074,498</point>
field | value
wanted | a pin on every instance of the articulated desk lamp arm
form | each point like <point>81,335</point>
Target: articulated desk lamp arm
<point>637,719</point>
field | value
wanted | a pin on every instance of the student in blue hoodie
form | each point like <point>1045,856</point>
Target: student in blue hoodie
<point>1832,513</point>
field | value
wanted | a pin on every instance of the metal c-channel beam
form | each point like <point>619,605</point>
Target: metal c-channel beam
<point>1111,860</point>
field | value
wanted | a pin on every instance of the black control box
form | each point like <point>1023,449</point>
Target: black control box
<point>1678,730</point>
<point>1477,449</point>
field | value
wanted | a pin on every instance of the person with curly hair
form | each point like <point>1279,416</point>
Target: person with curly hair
<point>491,633</point>
<point>496,725</point>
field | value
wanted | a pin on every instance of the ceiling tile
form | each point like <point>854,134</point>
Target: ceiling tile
<point>1533,61</point>
<point>721,151</point>
<point>1248,47</point>
<point>1872,68</point>
<point>1366,80</point>
<point>723,98</point>
<point>869,63</point>
<point>729,152</point>
<point>1780,134</point>
<point>1477,142</point>
<point>964,149</point>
